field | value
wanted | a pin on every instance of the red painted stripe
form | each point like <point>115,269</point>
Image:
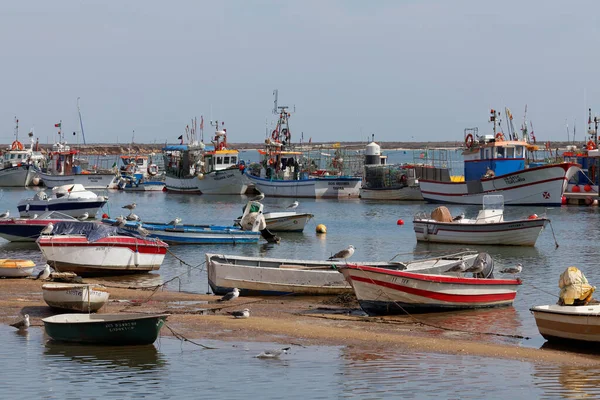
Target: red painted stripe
<point>450,298</point>
<point>494,159</point>
<point>487,191</point>
<point>140,249</point>
<point>435,278</point>
<point>143,247</point>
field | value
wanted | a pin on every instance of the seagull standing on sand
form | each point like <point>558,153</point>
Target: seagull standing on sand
<point>22,324</point>
<point>260,197</point>
<point>130,207</point>
<point>295,204</point>
<point>273,353</point>
<point>343,254</point>
<point>513,270</point>
<point>142,231</point>
<point>48,229</point>
<point>245,313</point>
<point>175,222</point>
<point>477,267</point>
<point>231,295</point>
<point>83,216</point>
<point>5,215</point>
<point>460,267</point>
<point>44,274</point>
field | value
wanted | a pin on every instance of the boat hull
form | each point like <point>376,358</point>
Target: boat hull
<point>182,185</point>
<point>16,268</point>
<point>75,297</point>
<point>74,207</point>
<point>332,188</point>
<point>228,181</point>
<point>385,292</point>
<point>408,193</point>
<point>146,187</point>
<point>338,188</point>
<point>23,230</point>
<point>543,185</point>
<point>510,233</point>
<point>16,176</point>
<point>285,221</point>
<point>111,255</point>
<point>577,324</point>
<point>89,181</point>
<point>112,329</point>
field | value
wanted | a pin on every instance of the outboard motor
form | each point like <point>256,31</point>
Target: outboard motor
<point>254,220</point>
<point>488,266</point>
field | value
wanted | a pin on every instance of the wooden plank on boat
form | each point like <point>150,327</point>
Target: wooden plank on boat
<point>291,266</point>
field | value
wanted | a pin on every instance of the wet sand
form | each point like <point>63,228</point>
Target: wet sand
<point>287,320</point>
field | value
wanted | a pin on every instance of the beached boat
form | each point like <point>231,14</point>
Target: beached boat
<point>11,268</point>
<point>88,248</point>
<point>496,163</point>
<point>488,228</point>
<point>275,276</point>
<point>73,200</point>
<point>28,229</point>
<point>383,291</point>
<point>81,297</point>
<point>114,329</point>
<point>568,323</point>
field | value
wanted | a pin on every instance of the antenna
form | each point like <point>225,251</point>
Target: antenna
<point>80,121</point>
<point>276,94</point>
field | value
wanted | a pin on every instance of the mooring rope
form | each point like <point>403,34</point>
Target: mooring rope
<point>184,339</point>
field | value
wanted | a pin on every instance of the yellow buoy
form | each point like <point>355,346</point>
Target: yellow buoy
<point>321,228</point>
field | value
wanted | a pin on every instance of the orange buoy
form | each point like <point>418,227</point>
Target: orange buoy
<point>400,222</point>
<point>532,216</point>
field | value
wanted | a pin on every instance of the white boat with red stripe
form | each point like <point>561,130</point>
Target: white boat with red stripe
<point>384,292</point>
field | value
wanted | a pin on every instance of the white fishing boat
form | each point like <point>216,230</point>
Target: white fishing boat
<point>488,228</point>
<point>72,199</point>
<point>81,297</point>
<point>11,268</point>
<point>276,276</point>
<point>568,323</point>
<point>88,248</point>
<point>17,165</point>
<point>289,221</point>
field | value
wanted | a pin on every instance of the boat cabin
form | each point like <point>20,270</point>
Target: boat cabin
<point>492,156</point>
<point>61,160</point>
<point>182,161</point>
<point>220,159</point>
<point>492,210</point>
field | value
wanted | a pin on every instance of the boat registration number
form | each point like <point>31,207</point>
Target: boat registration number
<point>511,180</point>
<point>121,326</point>
<point>402,281</point>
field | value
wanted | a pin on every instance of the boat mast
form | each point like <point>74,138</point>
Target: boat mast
<point>80,121</point>
<point>16,128</point>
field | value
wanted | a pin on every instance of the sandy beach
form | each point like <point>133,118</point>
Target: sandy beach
<point>300,321</point>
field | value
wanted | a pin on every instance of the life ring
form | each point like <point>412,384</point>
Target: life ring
<point>591,145</point>
<point>221,146</point>
<point>152,169</point>
<point>16,145</point>
<point>274,135</point>
<point>499,137</point>
<point>271,162</point>
<point>469,141</point>
<point>404,179</point>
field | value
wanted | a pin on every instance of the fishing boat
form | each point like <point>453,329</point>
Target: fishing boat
<point>72,199</point>
<point>277,276</point>
<point>17,168</point>
<point>113,329</point>
<point>139,174</point>
<point>88,248</point>
<point>129,184</point>
<point>285,221</point>
<point>496,163</point>
<point>382,291</point>
<point>81,297</point>
<point>11,268</point>
<point>488,228</point>
<point>28,229</point>
<point>196,168</point>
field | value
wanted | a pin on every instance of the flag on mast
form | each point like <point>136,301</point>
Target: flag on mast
<point>58,125</point>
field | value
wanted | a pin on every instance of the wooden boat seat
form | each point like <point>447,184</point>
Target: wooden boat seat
<point>292,266</point>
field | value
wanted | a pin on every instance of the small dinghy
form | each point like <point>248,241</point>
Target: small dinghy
<point>113,329</point>
<point>11,268</point>
<point>75,296</point>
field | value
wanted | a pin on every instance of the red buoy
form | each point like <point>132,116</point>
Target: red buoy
<point>587,188</point>
<point>400,222</point>
<point>563,200</point>
<point>105,216</point>
<point>532,216</point>
<point>576,189</point>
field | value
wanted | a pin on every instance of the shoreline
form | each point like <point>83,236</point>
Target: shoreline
<point>287,320</point>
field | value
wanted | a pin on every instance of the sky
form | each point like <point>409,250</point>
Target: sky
<point>398,69</point>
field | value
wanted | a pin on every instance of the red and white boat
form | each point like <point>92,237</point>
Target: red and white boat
<point>383,291</point>
<point>99,250</point>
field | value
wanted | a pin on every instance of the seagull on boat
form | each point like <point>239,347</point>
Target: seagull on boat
<point>295,204</point>
<point>513,270</point>
<point>34,216</point>
<point>142,231</point>
<point>231,295</point>
<point>259,197</point>
<point>175,222</point>
<point>477,267</point>
<point>460,267</point>
<point>130,207</point>
<point>273,353</point>
<point>459,217</point>
<point>44,274</point>
<point>119,222</point>
<point>83,216</point>
<point>22,324</point>
<point>343,254</point>
<point>132,217</point>
<point>245,313</point>
<point>5,215</point>
<point>48,229</point>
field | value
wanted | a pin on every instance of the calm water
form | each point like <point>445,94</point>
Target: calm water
<point>170,370</point>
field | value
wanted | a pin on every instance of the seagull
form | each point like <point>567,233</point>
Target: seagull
<point>460,267</point>
<point>273,353</point>
<point>477,267</point>
<point>245,313</point>
<point>48,229</point>
<point>132,217</point>
<point>259,197</point>
<point>34,216</point>
<point>459,217</point>
<point>5,215</point>
<point>119,221</point>
<point>295,204</point>
<point>44,274</point>
<point>22,324</point>
<point>513,270</point>
<point>231,295</point>
<point>83,216</point>
<point>343,254</point>
<point>130,207</point>
<point>175,222</point>
<point>142,231</point>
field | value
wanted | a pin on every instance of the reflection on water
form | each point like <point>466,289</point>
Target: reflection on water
<point>568,381</point>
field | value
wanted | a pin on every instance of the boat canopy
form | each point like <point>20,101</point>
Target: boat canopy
<point>93,231</point>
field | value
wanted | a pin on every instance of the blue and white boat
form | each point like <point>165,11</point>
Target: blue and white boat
<point>495,164</point>
<point>73,200</point>
<point>192,234</point>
